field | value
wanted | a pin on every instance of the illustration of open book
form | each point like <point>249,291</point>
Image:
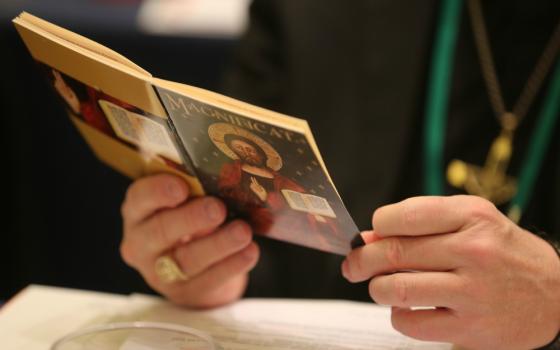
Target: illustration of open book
<point>265,165</point>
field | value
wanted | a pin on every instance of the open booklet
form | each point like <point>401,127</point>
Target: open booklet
<point>266,166</point>
<point>39,315</point>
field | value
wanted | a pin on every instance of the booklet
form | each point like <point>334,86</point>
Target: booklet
<point>265,165</point>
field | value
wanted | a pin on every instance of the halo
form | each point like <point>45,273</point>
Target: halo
<point>218,131</point>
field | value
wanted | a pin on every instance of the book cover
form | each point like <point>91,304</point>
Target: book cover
<point>264,165</point>
<point>267,174</point>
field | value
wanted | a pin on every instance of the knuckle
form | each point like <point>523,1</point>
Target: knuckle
<point>376,292</point>
<point>221,243</point>
<point>161,232</point>
<point>188,260</point>
<point>409,213</point>
<point>373,289</point>
<point>481,209</point>
<point>394,253</point>
<point>401,288</point>
<point>481,249</point>
<point>196,214</point>
<point>238,233</point>
<point>244,226</point>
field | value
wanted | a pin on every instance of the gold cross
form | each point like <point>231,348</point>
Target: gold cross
<point>491,181</point>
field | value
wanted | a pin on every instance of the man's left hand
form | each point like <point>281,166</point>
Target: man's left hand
<point>484,282</point>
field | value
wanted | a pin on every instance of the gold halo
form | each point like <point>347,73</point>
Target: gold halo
<point>218,131</point>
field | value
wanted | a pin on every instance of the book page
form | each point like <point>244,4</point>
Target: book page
<point>40,315</point>
<point>88,62</point>
<point>258,324</point>
<point>79,41</point>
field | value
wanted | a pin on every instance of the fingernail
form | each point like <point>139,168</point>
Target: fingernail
<point>213,209</point>
<point>174,190</point>
<point>370,236</point>
<point>239,233</point>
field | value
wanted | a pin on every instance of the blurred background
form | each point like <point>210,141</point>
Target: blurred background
<point>63,223</point>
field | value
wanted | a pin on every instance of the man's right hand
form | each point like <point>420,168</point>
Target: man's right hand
<point>160,218</point>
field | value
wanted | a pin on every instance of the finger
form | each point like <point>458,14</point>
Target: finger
<point>216,276</point>
<point>370,236</point>
<point>150,194</point>
<point>427,253</point>
<point>198,255</point>
<point>166,229</point>
<point>429,215</point>
<point>406,289</point>
<point>438,324</point>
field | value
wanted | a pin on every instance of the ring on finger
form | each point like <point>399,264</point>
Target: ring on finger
<point>168,271</point>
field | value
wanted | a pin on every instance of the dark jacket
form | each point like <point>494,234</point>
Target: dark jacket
<point>357,71</point>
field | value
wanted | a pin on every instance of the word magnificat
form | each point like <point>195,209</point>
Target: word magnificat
<point>189,109</point>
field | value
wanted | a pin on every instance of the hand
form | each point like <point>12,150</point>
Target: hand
<point>258,189</point>
<point>216,258</point>
<point>494,285</point>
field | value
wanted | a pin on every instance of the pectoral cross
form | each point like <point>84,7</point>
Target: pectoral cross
<point>491,181</point>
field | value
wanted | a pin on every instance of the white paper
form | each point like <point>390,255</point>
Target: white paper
<point>255,324</point>
<point>40,315</point>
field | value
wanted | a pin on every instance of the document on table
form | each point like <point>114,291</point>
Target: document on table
<point>39,315</point>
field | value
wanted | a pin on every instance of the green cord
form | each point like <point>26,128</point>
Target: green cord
<point>438,95</point>
<point>436,115</point>
<point>537,149</point>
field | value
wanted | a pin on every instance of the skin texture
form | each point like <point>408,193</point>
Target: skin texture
<point>160,218</point>
<point>486,276</point>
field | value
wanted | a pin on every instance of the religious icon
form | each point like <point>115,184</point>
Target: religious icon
<point>267,174</point>
<point>252,183</point>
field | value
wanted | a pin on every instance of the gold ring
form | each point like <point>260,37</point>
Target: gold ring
<point>168,271</point>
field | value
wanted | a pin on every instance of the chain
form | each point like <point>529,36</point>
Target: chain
<point>510,120</point>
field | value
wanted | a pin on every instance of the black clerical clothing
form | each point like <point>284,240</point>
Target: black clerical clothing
<point>357,71</point>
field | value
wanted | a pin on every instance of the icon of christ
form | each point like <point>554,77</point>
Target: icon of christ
<point>252,184</point>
